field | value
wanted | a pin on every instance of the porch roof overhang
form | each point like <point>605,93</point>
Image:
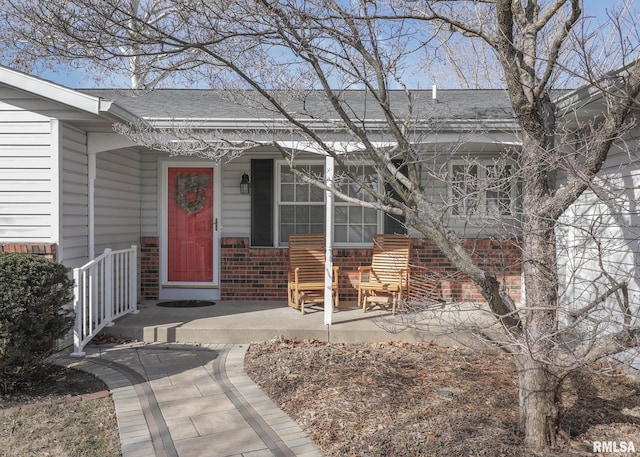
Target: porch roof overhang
<point>282,133</point>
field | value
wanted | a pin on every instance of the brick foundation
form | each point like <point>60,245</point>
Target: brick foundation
<point>261,273</point>
<point>252,273</point>
<point>249,273</point>
<point>48,250</point>
<point>502,258</point>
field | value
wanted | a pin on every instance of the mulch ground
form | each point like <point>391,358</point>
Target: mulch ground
<point>401,399</point>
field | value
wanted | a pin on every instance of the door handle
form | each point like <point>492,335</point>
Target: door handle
<point>215,224</point>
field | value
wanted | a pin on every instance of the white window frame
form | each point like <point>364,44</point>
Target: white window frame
<point>339,203</point>
<point>482,210</point>
<point>278,202</point>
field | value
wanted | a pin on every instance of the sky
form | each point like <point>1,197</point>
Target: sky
<point>76,78</point>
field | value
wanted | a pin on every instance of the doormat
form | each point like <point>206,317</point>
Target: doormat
<point>186,303</point>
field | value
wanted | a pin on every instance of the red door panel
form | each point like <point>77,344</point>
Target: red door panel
<point>190,224</point>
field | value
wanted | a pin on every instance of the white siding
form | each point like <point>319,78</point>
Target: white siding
<point>75,219</point>
<point>604,236</point>
<point>28,154</point>
<point>235,217</point>
<point>117,199</point>
<point>150,188</point>
<point>236,208</point>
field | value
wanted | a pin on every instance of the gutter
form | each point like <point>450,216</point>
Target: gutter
<point>114,112</point>
<point>326,124</point>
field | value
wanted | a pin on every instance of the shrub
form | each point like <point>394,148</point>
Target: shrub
<point>33,292</point>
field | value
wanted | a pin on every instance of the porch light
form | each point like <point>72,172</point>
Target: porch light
<point>245,184</point>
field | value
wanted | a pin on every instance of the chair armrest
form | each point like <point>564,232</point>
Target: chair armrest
<point>293,275</point>
<point>363,269</point>
<point>404,280</point>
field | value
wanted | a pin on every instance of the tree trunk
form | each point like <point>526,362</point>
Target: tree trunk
<point>539,386</point>
<point>539,403</point>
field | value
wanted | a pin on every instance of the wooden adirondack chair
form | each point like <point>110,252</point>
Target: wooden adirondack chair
<point>387,278</point>
<point>306,271</point>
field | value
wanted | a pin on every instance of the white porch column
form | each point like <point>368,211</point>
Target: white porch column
<point>328,238</point>
<point>91,229</point>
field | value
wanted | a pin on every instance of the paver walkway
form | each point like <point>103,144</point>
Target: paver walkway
<point>178,400</point>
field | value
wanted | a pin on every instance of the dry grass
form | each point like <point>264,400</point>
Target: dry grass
<point>58,413</point>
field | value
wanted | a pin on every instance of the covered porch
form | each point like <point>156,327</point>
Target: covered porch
<point>252,321</point>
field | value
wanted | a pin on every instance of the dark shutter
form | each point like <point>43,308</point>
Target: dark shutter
<point>392,223</point>
<point>261,202</point>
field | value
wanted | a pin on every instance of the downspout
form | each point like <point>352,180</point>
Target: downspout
<point>328,242</point>
<point>91,229</point>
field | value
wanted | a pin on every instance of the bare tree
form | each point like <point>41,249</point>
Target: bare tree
<point>299,58</point>
<point>36,38</point>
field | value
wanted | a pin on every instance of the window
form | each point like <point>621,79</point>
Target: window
<point>500,189</point>
<point>301,206</point>
<point>464,187</point>
<point>353,223</point>
<point>482,188</point>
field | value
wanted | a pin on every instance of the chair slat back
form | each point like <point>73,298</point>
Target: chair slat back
<point>390,255</point>
<point>306,252</point>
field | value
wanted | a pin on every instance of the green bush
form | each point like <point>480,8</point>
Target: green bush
<point>33,291</point>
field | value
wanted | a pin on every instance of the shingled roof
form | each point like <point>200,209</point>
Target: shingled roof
<point>450,105</point>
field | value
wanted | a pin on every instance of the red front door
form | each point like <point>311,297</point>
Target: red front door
<point>190,224</point>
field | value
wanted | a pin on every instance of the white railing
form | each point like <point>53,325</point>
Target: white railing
<point>105,289</point>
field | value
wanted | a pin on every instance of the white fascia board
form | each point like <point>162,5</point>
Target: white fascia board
<point>591,92</point>
<point>482,137</point>
<point>219,123</point>
<point>64,95</point>
<point>578,98</point>
<point>49,90</point>
<point>329,124</point>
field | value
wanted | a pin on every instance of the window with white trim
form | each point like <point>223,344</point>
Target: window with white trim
<point>482,187</point>
<point>354,223</point>
<point>301,205</point>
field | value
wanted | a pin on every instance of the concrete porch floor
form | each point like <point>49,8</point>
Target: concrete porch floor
<point>253,321</point>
